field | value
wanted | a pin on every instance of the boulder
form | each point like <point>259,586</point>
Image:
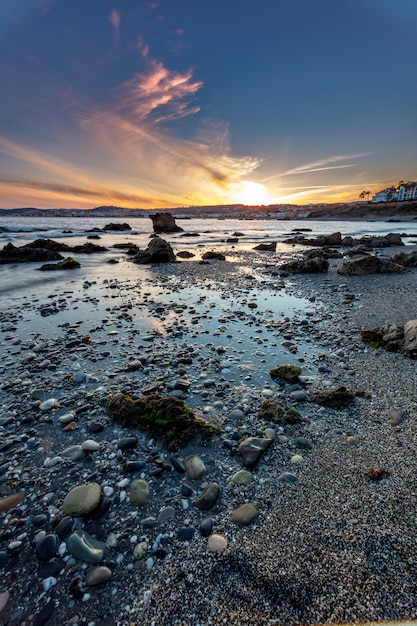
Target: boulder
<point>164,223</point>
<point>88,248</point>
<point>410,338</point>
<point>406,259</point>
<point>266,247</point>
<point>367,264</point>
<point>28,254</point>
<point>118,227</point>
<point>67,264</point>
<point>213,255</point>
<point>310,265</point>
<point>158,251</point>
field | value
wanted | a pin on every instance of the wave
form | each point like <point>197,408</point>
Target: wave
<point>22,229</point>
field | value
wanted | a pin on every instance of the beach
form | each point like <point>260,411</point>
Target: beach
<point>327,532</point>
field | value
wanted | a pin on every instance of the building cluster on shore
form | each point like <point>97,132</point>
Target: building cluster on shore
<point>403,191</point>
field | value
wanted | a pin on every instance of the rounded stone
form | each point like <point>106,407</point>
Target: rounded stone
<point>298,395</point>
<point>85,548</point>
<point>165,514</point>
<point>244,514</point>
<point>206,526</point>
<point>128,443</point>
<point>47,547</point>
<point>139,492</point>
<point>242,477</point>
<point>186,533</point>
<point>97,575</point>
<point>140,550</point>
<point>297,458</point>
<point>89,445</point>
<point>195,467</point>
<point>217,543</point>
<point>207,497</point>
<point>82,500</point>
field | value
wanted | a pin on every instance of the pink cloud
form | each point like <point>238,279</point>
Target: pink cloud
<point>114,18</point>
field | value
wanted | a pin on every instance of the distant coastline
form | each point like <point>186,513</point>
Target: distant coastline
<point>351,210</point>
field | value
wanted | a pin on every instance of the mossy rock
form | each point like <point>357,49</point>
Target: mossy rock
<point>287,372</point>
<point>375,338</point>
<point>337,399</point>
<point>167,419</point>
<point>279,413</point>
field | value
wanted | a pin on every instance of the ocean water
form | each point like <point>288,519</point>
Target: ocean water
<point>20,280</point>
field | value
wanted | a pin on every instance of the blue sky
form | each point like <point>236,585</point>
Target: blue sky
<point>164,103</point>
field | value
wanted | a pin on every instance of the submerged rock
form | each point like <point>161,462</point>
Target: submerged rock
<point>165,418</point>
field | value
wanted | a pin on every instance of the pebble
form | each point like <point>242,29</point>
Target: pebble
<point>242,477</point>
<point>206,526</point>
<point>287,477</point>
<point>140,550</point>
<point>244,514</point>
<point>98,575</point>
<point>127,443</point>
<point>9,502</point>
<point>217,543</point>
<point>186,533</point>
<point>195,467</point>
<point>252,448</point>
<point>303,443</point>
<point>208,497</point>
<point>47,547</point>
<point>89,445</point>
<point>85,548</point>
<point>49,404</point>
<point>395,417</point>
<point>165,514</point>
<point>4,598</point>
<point>82,500</point>
<point>297,458</point>
<point>74,453</point>
<point>139,492</point>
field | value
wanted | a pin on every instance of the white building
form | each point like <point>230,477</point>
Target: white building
<point>406,191</point>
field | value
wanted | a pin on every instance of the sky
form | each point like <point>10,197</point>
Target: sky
<point>170,103</point>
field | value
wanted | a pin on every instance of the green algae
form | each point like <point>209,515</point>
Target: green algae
<point>337,399</point>
<point>279,413</point>
<point>167,419</point>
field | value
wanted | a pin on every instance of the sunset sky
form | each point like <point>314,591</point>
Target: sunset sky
<point>167,103</point>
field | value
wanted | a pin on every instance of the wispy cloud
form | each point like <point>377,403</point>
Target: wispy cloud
<point>325,164</point>
<point>114,19</point>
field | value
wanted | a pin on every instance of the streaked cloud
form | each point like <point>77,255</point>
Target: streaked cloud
<point>114,19</point>
<point>324,164</point>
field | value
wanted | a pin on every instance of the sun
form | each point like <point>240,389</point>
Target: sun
<point>250,193</point>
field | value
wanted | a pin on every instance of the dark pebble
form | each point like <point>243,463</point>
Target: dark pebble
<point>64,527</point>
<point>47,547</point>
<point>50,569</point>
<point>76,588</point>
<point>128,443</point>
<point>178,467</point>
<point>44,614</point>
<point>303,443</point>
<point>186,533</point>
<point>40,520</point>
<point>149,522</point>
<point>95,427</point>
<point>102,508</point>
<point>3,558</point>
<point>186,490</point>
<point>135,465</point>
<point>206,527</point>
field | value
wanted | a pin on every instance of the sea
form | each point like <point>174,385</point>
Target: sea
<point>23,282</point>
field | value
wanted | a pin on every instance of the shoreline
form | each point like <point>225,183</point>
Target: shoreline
<point>332,547</point>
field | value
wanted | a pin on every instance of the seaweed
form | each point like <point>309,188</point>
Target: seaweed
<point>280,413</point>
<point>164,418</point>
<point>337,399</point>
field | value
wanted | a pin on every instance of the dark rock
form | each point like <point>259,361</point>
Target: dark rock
<point>336,399</point>
<point>167,419</point>
<point>278,412</point>
<point>164,223</point>
<point>67,264</point>
<point>287,372</point>
<point>208,497</point>
<point>213,255</point>
<point>206,527</point>
<point>184,254</point>
<point>252,448</point>
<point>27,254</point>
<point>117,227</point>
<point>88,248</point>
<point>367,264</point>
<point>186,533</point>
<point>64,526</point>
<point>406,259</point>
<point>311,265</point>
<point>158,251</point>
<point>135,465</point>
<point>44,614</point>
<point>127,443</point>
<point>266,247</point>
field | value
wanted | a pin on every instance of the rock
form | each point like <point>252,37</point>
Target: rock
<point>298,395</point>
<point>165,514</point>
<point>164,223</point>
<point>165,418</point>
<point>74,453</point>
<point>296,458</point>
<point>82,500</point>
<point>195,467</point>
<point>311,265</point>
<point>44,614</point>
<point>242,477</point>
<point>29,253</point>
<point>217,543</point>
<point>287,372</point>
<point>139,492</point>
<point>185,254</point>
<point>117,227</point>
<point>206,527</point>
<point>389,336</point>
<point>158,251</point>
<point>395,417</point>
<point>303,443</point>
<point>127,443</point>
<point>140,550</point>
<point>244,514</point>
<point>85,548</point>
<point>287,477</point>
<point>266,247</point>
<point>367,264</point>
<point>410,338</point>
<point>97,575</point>
<point>47,547</point>
<point>186,533</point>
<point>406,259</point>
<point>213,255</point>
<point>9,502</point>
<point>4,598</point>
<point>66,264</point>
<point>208,497</point>
<point>336,399</point>
<point>252,448</point>
<point>278,412</point>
